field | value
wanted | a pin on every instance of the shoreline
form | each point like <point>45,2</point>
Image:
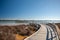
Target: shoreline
<point>3,24</point>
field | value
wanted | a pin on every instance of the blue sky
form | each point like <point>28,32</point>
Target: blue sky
<point>30,9</point>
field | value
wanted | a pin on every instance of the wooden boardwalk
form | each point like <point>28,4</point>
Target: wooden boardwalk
<point>44,33</point>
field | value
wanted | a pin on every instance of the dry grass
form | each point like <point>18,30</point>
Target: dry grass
<point>17,32</point>
<point>58,24</point>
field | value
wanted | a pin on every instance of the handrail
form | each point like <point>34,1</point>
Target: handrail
<point>55,32</point>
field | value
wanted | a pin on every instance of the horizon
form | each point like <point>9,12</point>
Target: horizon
<point>27,19</point>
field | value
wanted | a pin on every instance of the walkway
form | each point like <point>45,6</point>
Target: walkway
<point>44,33</point>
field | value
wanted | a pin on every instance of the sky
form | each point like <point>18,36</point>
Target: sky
<point>30,9</point>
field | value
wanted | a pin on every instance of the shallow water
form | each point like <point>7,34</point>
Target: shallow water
<point>17,22</point>
<point>11,23</point>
